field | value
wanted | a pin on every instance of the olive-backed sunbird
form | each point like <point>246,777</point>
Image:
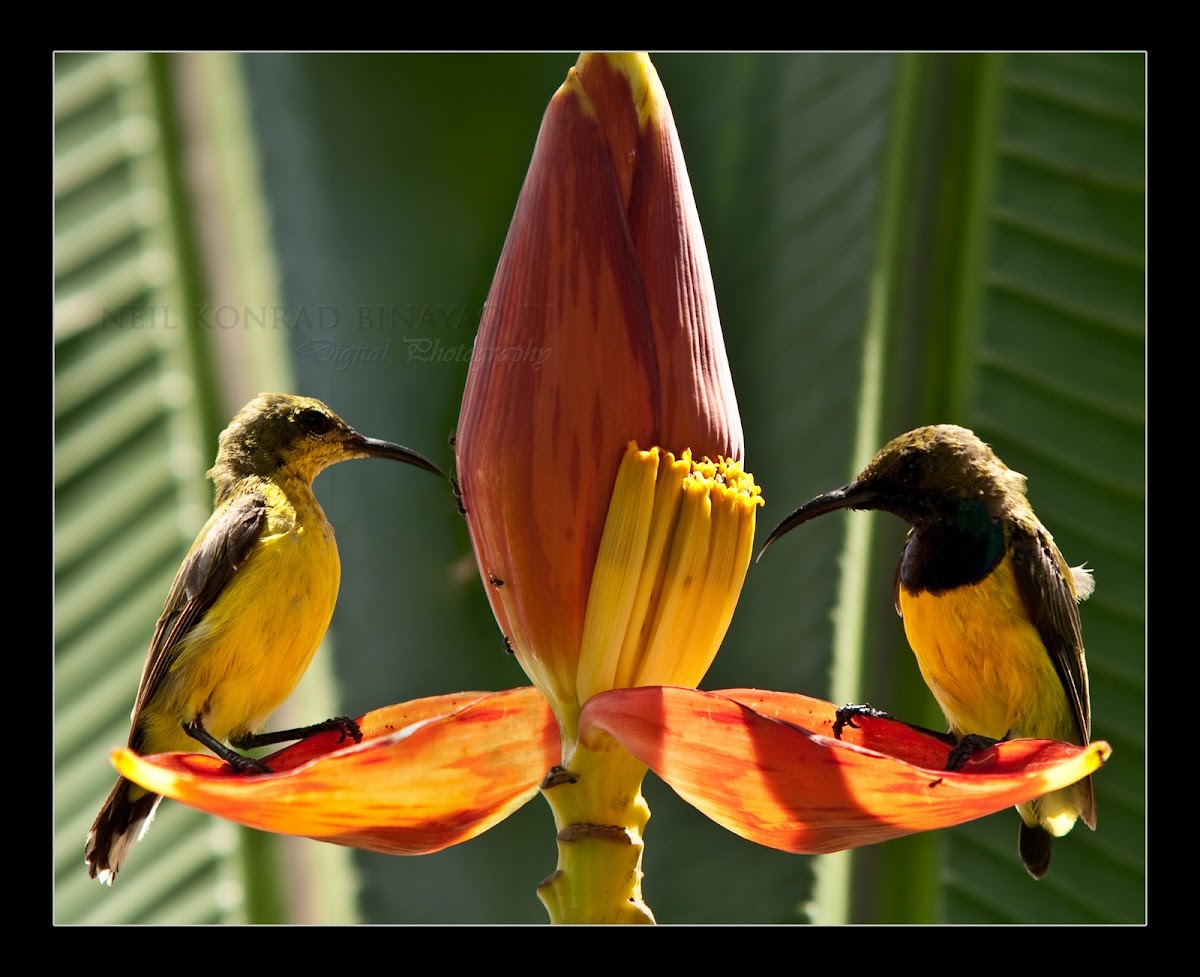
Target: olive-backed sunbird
<point>988,603</point>
<point>248,607</point>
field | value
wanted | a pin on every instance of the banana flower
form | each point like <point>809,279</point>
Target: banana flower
<point>600,465</point>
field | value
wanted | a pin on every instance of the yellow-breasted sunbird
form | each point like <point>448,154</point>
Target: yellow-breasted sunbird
<point>988,603</point>
<point>248,607</point>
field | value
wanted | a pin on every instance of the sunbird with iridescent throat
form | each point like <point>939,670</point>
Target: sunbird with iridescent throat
<point>988,603</point>
<point>248,607</point>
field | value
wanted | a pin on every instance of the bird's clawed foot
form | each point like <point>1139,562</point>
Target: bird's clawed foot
<point>845,717</point>
<point>966,748</point>
<point>343,724</point>
<point>246,764</point>
<point>241,764</point>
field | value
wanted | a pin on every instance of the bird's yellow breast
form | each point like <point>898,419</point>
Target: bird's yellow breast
<point>245,656</point>
<point>984,661</point>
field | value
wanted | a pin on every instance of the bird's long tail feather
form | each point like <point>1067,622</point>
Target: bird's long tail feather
<point>124,818</point>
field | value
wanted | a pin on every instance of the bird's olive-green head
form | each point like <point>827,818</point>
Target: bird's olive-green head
<point>284,435</point>
<point>939,473</point>
<point>919,475</point>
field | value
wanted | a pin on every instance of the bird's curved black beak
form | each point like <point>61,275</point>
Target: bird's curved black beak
<point>385,449</point>
<point>856,495</point>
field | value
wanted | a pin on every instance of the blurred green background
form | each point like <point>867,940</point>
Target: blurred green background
<point>894,239</point>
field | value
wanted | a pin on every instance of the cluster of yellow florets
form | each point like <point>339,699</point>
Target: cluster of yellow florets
<point>724,475</point>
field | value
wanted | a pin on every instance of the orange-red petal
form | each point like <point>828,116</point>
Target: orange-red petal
<point>765,766</point>
<point>428,774</point>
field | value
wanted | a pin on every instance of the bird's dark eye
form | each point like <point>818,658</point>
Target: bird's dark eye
<point>314,422</point>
